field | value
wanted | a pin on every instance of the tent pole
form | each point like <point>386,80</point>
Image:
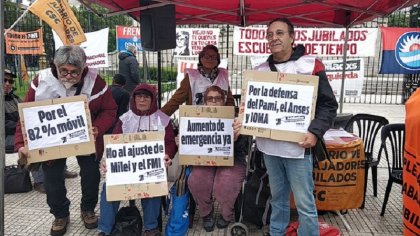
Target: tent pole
<point>2,131</point>
<point>159,75</point>
<point>343,74</point>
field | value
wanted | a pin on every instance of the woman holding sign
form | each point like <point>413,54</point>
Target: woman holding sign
<point>222,182</point>
<point>143,116</point>
<point>196,81</point>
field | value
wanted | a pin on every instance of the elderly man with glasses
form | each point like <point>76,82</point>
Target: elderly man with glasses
<point>69,76</point>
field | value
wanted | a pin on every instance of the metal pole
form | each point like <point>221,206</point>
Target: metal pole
<point>2,131</point>
<point>343,74</point>
<point>159,75</point>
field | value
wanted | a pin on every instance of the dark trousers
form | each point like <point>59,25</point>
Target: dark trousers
<point>56,189</point>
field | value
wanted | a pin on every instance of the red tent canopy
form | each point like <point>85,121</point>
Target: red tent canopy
<point>325,13</point>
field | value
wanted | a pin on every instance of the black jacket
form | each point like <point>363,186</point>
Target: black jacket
<point>129,67</point>
<point>11,118</point>
<point>326,105</point>
<point>122,99</point>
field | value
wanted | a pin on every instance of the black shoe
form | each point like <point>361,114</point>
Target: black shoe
<point>208,222</point>
<point>70,174</point>
<point>102,234</point>
<point>221,223</point>
<point>39,187</point>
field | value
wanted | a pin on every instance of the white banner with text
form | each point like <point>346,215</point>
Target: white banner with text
<point>251,41</point>
<point>96,50</point>
<point>354,76</point>
<point>190,41</point>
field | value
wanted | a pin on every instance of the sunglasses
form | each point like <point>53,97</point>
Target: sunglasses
<point>11,81</point>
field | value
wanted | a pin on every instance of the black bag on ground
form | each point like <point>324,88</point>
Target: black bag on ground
<point>256,196</point>
<point>128,221</point>
<point>16,179</point>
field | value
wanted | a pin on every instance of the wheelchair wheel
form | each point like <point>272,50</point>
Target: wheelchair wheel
<point>238,229</point>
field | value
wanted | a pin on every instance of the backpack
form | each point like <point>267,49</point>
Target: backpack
<point>256,196</point>
<point>128,221</point>
<point>325,229</point>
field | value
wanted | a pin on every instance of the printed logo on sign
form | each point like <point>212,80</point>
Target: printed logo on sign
<point>407,51</point>
<point>225,150</point>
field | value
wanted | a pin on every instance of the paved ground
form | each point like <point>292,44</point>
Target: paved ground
<point>28,213</point>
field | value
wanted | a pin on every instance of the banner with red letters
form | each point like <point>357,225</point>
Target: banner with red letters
<point>250,41</point>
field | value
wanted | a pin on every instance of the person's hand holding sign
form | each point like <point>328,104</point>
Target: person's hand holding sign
<point>236,129</point>
<point>95,132</point>
<point>167,160</point>
<point>309,140</point>
<point>23,156</point>
<point>103,165</point>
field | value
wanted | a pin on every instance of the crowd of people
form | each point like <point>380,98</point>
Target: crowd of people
<point>129,106</point>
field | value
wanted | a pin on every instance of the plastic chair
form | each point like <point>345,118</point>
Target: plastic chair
<point>367,126</point>
<point>393,139</point>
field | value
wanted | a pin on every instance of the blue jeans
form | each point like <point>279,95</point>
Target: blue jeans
<point>285,175</point>
<point>108,211</point>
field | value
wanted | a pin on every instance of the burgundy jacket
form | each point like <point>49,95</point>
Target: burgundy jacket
<point>102,110</point>
<point>170,146</point>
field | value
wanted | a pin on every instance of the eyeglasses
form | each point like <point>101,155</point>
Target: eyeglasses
<point>65,73</point>
<point>209,57</point>
<point>143,96</point>
<point>279,33</point>
<point>11,81</point>
<point>213,98</point>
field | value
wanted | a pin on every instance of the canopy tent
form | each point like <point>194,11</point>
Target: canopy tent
<point>322,13</point>
<point>314,13</point>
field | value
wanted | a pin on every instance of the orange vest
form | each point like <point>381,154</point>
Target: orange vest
<point>411,170</point>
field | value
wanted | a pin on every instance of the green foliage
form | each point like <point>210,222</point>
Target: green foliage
<point>93,22</point>
<point>399,19</point>
<point>168,74</point>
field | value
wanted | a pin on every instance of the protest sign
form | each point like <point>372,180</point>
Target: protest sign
<point>354,76</point>
<point>339,183</point>
<point>277,105</point>
<point>190,41</point>
<point>25,43</point>
<point>96,50</point>
<point>128,35</point>
<point>135,166</point>
<point>56,128</point>
<point>252,41</point>
<point>206,135</point>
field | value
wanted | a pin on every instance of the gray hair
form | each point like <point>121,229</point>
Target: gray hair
<point>70,55</point>
<point>131,48</point>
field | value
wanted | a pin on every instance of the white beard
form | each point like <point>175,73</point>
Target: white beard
<point>67,85</point>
